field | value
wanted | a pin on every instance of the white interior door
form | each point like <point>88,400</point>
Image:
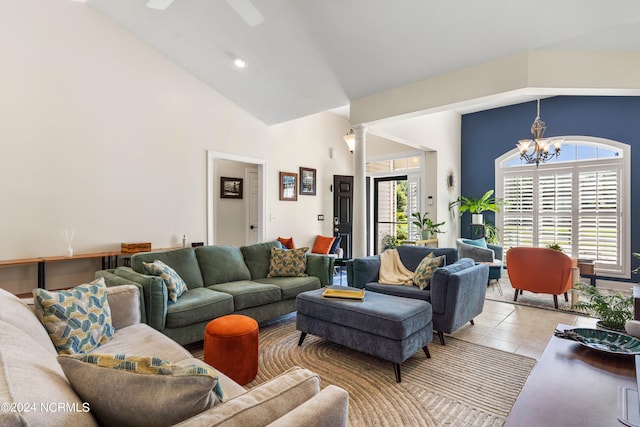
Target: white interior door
<point>253,206</point>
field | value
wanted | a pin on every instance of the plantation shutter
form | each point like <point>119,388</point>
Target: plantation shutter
<point>413,205</point>
<point>576,207</point>
<point>598,225</point>
<point>555,195</point>
<point>518,211</point>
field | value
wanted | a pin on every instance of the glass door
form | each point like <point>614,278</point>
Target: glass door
<point>391,225</point>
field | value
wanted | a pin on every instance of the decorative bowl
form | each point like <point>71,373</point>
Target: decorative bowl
<point>607,341</point>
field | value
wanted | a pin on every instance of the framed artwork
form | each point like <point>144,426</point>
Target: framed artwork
<point>230,188</point>
<point>307,181</point>
<point>288,186</point>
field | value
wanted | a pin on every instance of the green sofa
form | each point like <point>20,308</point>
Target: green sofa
<point>221,280</point>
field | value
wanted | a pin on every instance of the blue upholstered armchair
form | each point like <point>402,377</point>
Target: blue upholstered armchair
<point>489,254</point>
<point>456,291</point>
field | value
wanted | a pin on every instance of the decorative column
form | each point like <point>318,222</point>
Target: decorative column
<point>359,232</point>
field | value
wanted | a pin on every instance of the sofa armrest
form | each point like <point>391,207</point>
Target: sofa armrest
<point>461,297</point>
<point>497,251</point>
<point>329,408</point>
<point>112,280</point>
<point>124,302</point>
<point>262,404</point>
<point>154,292</point>
<point>363,270</point>
<point>477,253</point>
<point>320,266</point>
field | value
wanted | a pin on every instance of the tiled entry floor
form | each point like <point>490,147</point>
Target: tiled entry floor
<point>517,328</point>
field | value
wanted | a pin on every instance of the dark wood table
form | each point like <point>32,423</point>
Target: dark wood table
<point>572,385</point>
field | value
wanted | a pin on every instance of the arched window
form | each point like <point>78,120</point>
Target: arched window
<point>580,201</point>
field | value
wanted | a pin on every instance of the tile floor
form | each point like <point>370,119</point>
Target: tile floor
<point>516,328</point>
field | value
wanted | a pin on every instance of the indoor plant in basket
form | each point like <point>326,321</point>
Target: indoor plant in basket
<point>612,309</point>
<point>426,224</point>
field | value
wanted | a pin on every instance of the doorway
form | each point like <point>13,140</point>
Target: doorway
<point>343,212</point>
<point>394,198</point>
<point>250,224</point>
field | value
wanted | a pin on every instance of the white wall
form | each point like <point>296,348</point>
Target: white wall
<point>103,135</point>
<point>440,134</point>
<point>306,142</point>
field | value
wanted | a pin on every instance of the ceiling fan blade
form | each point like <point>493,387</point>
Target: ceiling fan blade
<point>247,11</point>
<point>159,4</point>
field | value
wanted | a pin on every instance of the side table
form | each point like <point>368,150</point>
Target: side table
<point>340,264</point>
<point>587,269</point>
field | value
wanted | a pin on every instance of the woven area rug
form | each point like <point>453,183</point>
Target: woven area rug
<point>463,384</point>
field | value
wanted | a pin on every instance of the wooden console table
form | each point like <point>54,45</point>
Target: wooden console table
<point>573,385</point>
<point>109,260</point>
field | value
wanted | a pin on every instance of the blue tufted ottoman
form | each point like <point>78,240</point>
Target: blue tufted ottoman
<point>389,327</point>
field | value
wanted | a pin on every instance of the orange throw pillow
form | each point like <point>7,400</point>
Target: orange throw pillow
<point>322,245</point>
<point>287,243</point>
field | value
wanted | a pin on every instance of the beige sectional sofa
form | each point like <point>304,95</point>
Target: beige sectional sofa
<point>34,390</point>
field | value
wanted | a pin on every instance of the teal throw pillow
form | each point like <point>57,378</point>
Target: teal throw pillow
<point>422,275</point>
<point>174,283</point>
<point>77,320</point>
<point>481,243</point>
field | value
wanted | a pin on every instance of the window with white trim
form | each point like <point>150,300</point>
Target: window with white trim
<point>579,201</point>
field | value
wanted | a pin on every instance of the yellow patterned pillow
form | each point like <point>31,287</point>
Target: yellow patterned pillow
<point>77,320</point>
<point>288,263</point>
<point>422,275</point>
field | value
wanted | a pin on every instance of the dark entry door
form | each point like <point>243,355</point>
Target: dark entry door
<point>343,211</point>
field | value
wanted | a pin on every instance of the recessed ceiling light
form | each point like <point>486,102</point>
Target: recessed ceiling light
<point>239,62</point>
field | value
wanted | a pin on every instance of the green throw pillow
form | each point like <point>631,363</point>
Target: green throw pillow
<point>288,263</point>
<point>422,275</point>
<point>142,391</point>
<point>174,283</point>
<point>77,320</point>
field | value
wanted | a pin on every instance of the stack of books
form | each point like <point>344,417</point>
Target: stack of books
<point>351,294</point>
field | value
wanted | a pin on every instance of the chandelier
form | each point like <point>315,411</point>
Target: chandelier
<point>541,146</point>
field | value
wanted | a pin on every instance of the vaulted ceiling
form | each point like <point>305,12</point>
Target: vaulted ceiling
<point>308,56</point>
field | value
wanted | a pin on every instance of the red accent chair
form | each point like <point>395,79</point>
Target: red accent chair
<point>540,270</point>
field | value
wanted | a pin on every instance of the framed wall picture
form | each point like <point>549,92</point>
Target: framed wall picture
<point>307,181</point>
<point>230,188</point>
<point>288,186</point>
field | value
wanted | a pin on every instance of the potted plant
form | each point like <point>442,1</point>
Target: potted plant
<point>612,309</point>
<point>491,233</point>
<point>390,242</point>
<point>426,224</point>
<point>478,205</point>
<point>555,247</point>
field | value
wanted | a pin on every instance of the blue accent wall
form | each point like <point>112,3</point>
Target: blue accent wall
<point>487,135</point>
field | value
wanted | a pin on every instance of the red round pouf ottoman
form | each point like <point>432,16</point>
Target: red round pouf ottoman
<point>231,346</point>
